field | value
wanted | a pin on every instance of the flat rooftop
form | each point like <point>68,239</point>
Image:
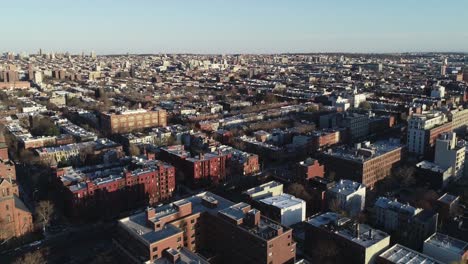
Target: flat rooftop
<point>263,187</point>
<point>404,255</point>
<point>283,201</point>
<point>137,225</point>
<point>385,203</point>
<point>427,165</point>
<point>340,225</point>
<point>448,243</point>
<point>185,257</point>
<point>448,198</point>
<point>364,151</point>
<point>346,187</point>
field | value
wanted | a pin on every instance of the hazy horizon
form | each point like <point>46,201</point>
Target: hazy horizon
<point>234,27</point>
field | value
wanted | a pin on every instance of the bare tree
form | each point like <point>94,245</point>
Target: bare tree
<point>299,191</point>
<point>134,150</point>
<point>35,257</point>
<point>44,210</point>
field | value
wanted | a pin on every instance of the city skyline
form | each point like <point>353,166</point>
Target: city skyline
<point>222,27</point>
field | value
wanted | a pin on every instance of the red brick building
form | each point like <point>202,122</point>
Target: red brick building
<point>139,183</point>
<point>15,217</point>
<point>242,163</point>
<point>324,139</point>
<point>309,169</point>
<point>365,163</point>
<point>7,166</point>
<point>208,167</point>
<point>211,226</point>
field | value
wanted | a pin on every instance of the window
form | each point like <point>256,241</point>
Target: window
<point>155,249</point>
<point>179,239</point>
<point>7,207</point>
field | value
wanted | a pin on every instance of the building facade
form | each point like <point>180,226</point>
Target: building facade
<point>349,196</point>
<point>345,240</point>
<point>125,121</point>
<point>366,163</point>
<point>115,188</point>
<point>219,230</point>
<point>423,130</point>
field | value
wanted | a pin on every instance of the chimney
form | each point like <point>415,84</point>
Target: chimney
<point>252,218</point>
<point>171,255</point>
<point>150,213</point>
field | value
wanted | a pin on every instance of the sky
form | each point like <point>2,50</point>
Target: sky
<point>235,26</point>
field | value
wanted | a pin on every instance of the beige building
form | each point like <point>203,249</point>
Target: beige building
<point>124,121</point>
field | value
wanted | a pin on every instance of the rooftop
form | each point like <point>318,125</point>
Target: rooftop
<point>346,187</point>
<point>404,255</point>
<point>283,201</point>
<point>447,243</point>
<point>448,198</point>
<point>263,187</point>
<point>365,151</point>
<point>361,234</point>
<point>394,205</point>
<point>136,224</point>
<point>427,165</point>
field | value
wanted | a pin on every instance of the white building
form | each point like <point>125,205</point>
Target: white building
<point>349,195</point>
<point>438,91</point>
<point>358,99</point>
<point>265,190</point>
<point>391,214</point>
<point>450,155</point>
<point>418,126</point>
<point>446,249</point>
<point>289,209</point>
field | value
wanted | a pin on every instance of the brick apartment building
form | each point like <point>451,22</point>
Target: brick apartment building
<point>241,163</point>
<point>219,230</point>
<point>309,169</point>
<point>324,139</point>
<point>365,163</point>
<point>115,188</point>
<point>209,167</point>
<point>125,121</point>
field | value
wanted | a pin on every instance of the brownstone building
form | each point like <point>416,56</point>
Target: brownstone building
<point>125,121</point>
<point>219,230</point>
<point>365,163</point>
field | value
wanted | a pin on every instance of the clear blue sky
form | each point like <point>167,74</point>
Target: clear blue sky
<point>235,26</point>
